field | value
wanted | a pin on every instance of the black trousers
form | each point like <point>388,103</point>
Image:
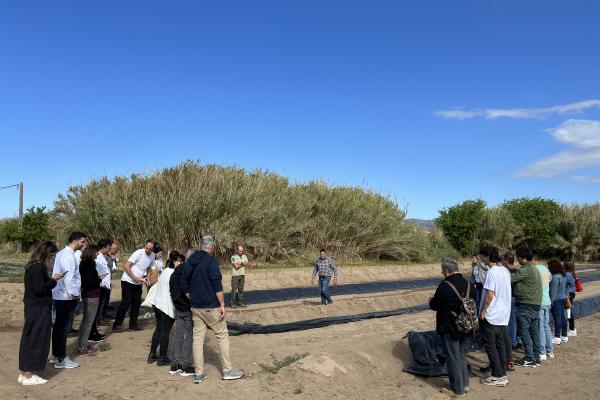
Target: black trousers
<point>131,297</point>
<point>63,309</point>
<point>572,317</point>
<point>102,304</point>
<point>35,339</point>
<point>164,323</point>
<point>494,340</point>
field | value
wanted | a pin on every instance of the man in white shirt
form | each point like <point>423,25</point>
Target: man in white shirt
<point>495,314</point>
<point>136,269</point>
<point>104,271</point>
<point>65,296</point>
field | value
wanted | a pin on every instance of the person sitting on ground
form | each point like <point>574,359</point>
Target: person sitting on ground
<point>164,316</point>
<point>35,339</point>
<point>90,295</point>
<point>181,349</point>
<point>527,288</point>
<point>494,316</point>
<point>570,277</point>
<point>546,348</point>
<point>239,262</point>
<point>558,296</point>
<point>447,305</point>
<point>201,281</point>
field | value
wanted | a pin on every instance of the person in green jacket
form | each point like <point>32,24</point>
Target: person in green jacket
<point>528,289</point>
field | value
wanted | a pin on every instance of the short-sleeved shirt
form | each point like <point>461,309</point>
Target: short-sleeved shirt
<point>498,280</point>
<point>141,261</point>
<point>546,277</point>
<point>235,259</point>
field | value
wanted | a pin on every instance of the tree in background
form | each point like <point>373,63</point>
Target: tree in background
<point>537,218</point>
<point>578,231</point>
<point>461,223</point>
<point>35,228</point>
<point>498,228</point>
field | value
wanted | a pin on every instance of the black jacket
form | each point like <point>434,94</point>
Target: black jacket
<point>201,278</point>
<point>180,300</point>
<point>89,277</point>
<point>446,301</point>
<point>38,286</point>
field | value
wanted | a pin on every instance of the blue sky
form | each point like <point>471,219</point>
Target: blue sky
<point>430,102</point>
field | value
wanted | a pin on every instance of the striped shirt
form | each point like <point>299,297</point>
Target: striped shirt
<point>325,267</point>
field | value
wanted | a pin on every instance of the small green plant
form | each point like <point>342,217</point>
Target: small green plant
<point>299,389</point>
<point>278,364</point>
<point>104,346</point>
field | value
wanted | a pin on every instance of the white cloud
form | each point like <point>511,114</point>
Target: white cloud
<point>586,179</point>
<point>519,113</point>
<point>584,138</point>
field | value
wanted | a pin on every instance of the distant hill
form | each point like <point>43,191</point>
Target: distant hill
<point>426,224</point>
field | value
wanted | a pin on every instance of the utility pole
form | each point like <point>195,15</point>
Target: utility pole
<point>19,245</point>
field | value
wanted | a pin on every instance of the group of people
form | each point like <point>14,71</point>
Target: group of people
<point>510,308</point>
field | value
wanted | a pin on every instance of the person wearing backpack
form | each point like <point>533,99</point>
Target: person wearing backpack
<point>495,315</point>
<point>449,304</point>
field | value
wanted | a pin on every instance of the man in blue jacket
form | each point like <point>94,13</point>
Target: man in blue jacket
<point>202,283</point>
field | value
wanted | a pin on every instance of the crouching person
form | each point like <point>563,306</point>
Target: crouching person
<point>448,304</point>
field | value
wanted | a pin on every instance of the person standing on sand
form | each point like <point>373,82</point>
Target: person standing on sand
<point>325,268</point>
<point>447,304</point>
<point>35,339</point>
<point>136,269</point>
<point>201,281</point>
<point>239,262</point>
<point>66,296</point>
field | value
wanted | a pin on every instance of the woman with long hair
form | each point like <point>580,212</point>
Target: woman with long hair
<point>90,296</point>
<point>558,298</point>
<point>35,339</point>
<point>570,277</point>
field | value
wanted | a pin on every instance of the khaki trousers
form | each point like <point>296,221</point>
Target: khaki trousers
<point>209,318</point>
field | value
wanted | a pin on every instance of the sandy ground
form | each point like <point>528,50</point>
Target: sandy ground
<point>360,360</point>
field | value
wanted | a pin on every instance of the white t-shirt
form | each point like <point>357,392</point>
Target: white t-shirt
<point>497,280</point>
<point>141,261</point>
<point>102,269</point>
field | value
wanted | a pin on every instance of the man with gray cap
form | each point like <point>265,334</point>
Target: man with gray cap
<point>201,281</point>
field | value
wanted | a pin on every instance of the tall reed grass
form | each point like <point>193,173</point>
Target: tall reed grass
<point>274,218</point>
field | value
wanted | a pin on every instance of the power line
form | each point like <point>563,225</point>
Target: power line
<point>10,186</point>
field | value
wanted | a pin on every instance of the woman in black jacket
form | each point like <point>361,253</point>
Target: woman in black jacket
<point>90,296</point>
<point>35,339</point>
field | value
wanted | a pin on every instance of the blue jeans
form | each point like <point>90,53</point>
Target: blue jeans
<point>545,334</point>
<point>559,317</point>
<point>512,322</point>
<point>324,289</point>
<point>528,320</point>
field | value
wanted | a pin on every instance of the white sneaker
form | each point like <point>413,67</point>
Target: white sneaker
<point>20,378</point>
<point>572,333</point>
<point>52,360</point>
<point>66,363</point>
<point>564,339</point>
<point>34,380</point>
<point>550,355</point>
<point>556,340</point>
<point>543,357</point>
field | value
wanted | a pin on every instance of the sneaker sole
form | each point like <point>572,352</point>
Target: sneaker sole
<point>200,381</point>
<point>232,378</point>
<point>65,367</point>
<point>175,372</point>
<point>33,383</point>
<point>186,374</point>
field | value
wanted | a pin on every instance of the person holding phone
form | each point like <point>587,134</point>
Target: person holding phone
<point>35,339</point>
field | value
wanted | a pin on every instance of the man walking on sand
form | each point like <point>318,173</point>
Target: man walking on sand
<point>239,262</point>
<point>201,281</point>
<point>325,268</point>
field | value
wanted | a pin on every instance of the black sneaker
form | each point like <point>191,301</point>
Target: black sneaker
<point>136,328</point>
<point>118,328</point>
<point>233,305</point>
<point>175,369</point>
<point>188,371</point>
<point>243,305</point>
<point>163,361</point>
<point>152,357</point>
<point>538,362</point>
<point>97,338</point>
<point>524,362</point>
